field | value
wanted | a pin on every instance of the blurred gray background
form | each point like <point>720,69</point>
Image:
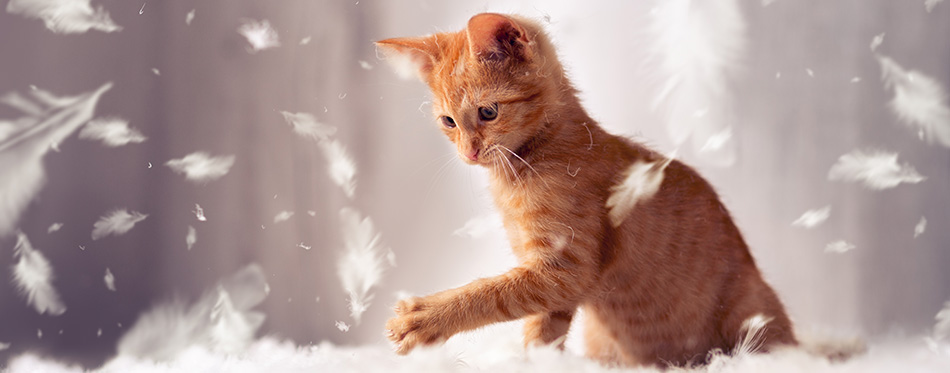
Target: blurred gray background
<point>213,95</point>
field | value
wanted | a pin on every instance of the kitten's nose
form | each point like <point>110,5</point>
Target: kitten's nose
<point>472,155</point>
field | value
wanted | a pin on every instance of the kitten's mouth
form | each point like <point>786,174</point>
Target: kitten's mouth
<point>473,157</point>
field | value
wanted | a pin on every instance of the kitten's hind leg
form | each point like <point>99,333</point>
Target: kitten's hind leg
<point>547,328</point>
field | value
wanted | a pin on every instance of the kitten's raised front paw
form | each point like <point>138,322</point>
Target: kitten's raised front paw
<point>416,323</point>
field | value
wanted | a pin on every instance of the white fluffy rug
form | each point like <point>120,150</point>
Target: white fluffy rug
<point>493,350</point>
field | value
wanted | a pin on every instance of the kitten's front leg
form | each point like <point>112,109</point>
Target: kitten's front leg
<point>521,292</point>
<point>547,328</point>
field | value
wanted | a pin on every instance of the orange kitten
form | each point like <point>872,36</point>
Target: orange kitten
<point>641,242</point>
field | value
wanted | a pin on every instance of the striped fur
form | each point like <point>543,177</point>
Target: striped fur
<point>671,282</point>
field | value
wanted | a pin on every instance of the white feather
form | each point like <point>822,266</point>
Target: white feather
<point>480,226</point>
<point>117,222</point>
<point>109,280</point>
<point>200,167</point>
<point>361,266</point>
<point>640,182</point>
<point>920,227</point>
<point>259,34</point>
<point>65,16</point>
<point>919,101</point>
<point>341,167</point>
<point>4,346</point>
<point>839,247</point>
<point>942,326</point>
<point>342,326</point>
<point>232,329</point>
<point>190,17</point>
<point>200,213</point>
<point>111,131</point>
<point>33,277</point>
<point>930,4</point>
<point>877,41</point>
<point>751,335</point>
<point>23,143</point>
<point>191,238</point>
<point>813,218</point>
<point>283,216</point>
<point>306,125</point>
<point>695,46</point>
<point>878,170</point>
<point>171,328</point>
<point>54,227</point>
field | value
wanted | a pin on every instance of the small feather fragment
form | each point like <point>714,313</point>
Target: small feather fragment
<point>117,222</point>
<point>640,182</point>
<point>259,34</point>
<point>33,278</point>
<point>200,167</point>
<point>919,101</point>
<point>342,326</point>
<point>920,227</point>
<point>877,170</point>
<point>112,131</point>
<point>839,247</point>
<point>283,216</point>
<point>813,218</point>
<point>109,280</point>
<point>191,237</point>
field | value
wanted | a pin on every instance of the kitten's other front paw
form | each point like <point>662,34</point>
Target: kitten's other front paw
<point>416,323</point>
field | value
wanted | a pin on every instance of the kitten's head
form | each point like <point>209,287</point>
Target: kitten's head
<point>492,82</point>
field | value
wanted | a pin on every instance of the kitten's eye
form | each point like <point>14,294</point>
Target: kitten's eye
<point>488,113</point>
<point>448,122</point>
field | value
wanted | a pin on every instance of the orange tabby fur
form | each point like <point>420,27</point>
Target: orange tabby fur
<point>671,282</point>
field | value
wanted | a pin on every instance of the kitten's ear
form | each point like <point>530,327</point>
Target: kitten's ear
<point>495,37</point>
<point>410,56</point>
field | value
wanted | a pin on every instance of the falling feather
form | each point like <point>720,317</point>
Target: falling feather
<point>48,119</point>
<point>361,266</point>
<point>919,101</point>
<point>283,216</point>
<point>65,16</point>
<point>259,34</point>
<point>117,222</point>
<point>190,17</point>
<point>232,329</point>
<point>695,45</point>
<point>4,346</point>
<point>111,131</point>
<point>171,328</point>
<point>341,167</point>
<point>191,237</point>
<point>200,213</point>
<point>641,181</point>
<point>942,326</point>
<point>342,326</point>
<point>839,247</point>
<point>877,41</point>
<point>33,277</point>
<point>54,228</point>
<point>200,167</point>
<point>877,170</point>
<point>813,218</point>
<point>109,280</point>
<point>920,227</point>
<point>306,125</point>
<point>751,335</point>
<point>480,226</point>
<point>930,4</point>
